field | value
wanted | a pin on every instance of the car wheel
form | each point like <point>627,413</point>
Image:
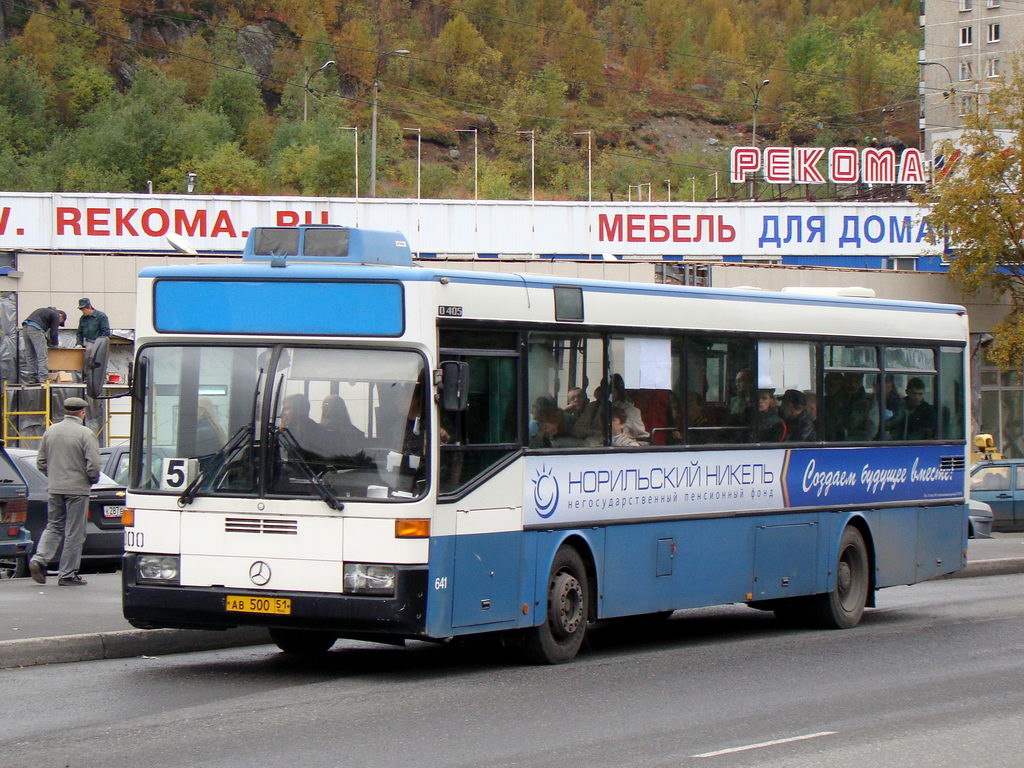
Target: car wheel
<point>13,567</point>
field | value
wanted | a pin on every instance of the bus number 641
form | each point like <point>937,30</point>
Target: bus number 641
<point>441,582</point>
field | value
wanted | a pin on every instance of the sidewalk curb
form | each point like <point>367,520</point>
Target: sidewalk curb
<point>996,567</point>
<point>123,644</point>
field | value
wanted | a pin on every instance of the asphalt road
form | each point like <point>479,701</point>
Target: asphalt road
<point>931,678</point>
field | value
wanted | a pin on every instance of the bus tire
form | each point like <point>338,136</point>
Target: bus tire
<point>843,607</point>
<point>559,637</point>
<point>302,641</point>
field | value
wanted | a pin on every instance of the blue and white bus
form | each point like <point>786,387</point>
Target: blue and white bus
<point>332,442</point>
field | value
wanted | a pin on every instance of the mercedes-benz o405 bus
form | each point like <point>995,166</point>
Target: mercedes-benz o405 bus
<point>333,442</point>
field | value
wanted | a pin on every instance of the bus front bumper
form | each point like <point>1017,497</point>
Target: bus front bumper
<point>153,606</point>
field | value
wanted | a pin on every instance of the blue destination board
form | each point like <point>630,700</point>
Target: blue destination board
<point>277,307</point>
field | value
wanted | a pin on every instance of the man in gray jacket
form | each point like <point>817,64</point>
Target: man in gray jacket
<point>70,458</point>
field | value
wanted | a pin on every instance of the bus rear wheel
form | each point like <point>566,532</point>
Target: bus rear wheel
<point>302,641</point>
<point>843,607</point>
<point>559,637</point>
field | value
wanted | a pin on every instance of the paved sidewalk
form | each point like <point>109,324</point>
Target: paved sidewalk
<point>45,624</point>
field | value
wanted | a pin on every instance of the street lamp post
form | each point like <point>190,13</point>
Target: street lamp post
<point>947,93</point>
<point>373,119</point>
<point>355,151</point>
<point>668,184</point>
<point>419,139</point>
<point>756,91</point>
<point>533,141</point>
<point>476,177</point>
<point>589,135</point>
<point>305,89</point>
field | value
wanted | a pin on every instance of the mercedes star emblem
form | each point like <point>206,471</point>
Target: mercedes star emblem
<point>259,573</point>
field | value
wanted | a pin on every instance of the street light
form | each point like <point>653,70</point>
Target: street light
<point>668,183</point>
<point>475,156</point>
<point>532,143</point>
<point>419,139</point>
<point>373,120</point>
<point>589,135</point>
<point>355,151</point>
<point>190,182</point>
<point>305,89</point>
<point>756,91</point>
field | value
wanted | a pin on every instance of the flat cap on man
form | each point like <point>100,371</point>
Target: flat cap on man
<point>75,404</point>
<point>83,303</point>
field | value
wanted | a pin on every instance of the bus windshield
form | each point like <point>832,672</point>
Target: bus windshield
<point>283,421</point>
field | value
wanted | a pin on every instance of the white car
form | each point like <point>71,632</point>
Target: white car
<point>979,524</point>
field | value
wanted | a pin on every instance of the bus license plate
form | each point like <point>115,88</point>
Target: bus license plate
<point>112,511</point>
<point>253,604</point>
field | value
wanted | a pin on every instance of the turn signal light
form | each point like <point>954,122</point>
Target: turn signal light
<point>412,529</point>
<point>128,517</point>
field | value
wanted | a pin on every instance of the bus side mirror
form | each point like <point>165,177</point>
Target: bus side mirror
<point>454,385</point>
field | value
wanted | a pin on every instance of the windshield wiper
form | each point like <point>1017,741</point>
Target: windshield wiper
<point>321,487</point>
<point>218,460</point>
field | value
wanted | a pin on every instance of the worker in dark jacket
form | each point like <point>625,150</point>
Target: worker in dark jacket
<point>40,329</point>
<point>92,325</point>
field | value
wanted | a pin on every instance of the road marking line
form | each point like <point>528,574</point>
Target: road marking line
<point>763,744</point>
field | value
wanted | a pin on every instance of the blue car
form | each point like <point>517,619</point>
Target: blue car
<point>15,539</point>
<point>1000,484</point>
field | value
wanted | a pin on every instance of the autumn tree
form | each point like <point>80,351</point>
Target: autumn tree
<point>578,51</point>
<point>979,205</point>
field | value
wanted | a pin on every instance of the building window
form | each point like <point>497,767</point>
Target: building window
<point>991,3</point>
<point>993,33</point>
<point>966,5</point>
<point>992,68</point>
<point>965,70</point>
<point>966,105</point>
<point>966,35</point>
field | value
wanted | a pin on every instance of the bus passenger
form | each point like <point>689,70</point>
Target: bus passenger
<point>576,404</point>
<point>620,437</point>
<point>634,421</point>
<point>552,433</point>
<point>342,437</point>
<point>917,422</point>
<point>295,419</point>
<point>539,404</point>
<point>742,402</point>
<point>210,435</point>
<point>768,425</point>
<point>799,425</point>
<point>588,427</point>
<point>860,409</point>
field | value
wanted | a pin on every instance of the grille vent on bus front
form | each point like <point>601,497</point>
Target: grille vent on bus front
<point>261,525</point>
<point>952,463</point>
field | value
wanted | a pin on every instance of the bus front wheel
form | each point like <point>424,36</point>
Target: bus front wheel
<point>559,637</point>
<point>302,641</point>
<point>843,607</point>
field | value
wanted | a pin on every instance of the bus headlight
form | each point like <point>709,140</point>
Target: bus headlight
<point>157,568</point>
<point>369,579</point>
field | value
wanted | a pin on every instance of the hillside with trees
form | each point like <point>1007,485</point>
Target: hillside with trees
<point>104,96</point>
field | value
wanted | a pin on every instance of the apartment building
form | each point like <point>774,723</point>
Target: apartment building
<point>968,45</point>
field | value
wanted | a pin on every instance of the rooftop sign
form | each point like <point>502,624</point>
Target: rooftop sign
<point>845,165</point>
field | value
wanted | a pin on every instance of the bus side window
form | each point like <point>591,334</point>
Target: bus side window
<point>474,440</point>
